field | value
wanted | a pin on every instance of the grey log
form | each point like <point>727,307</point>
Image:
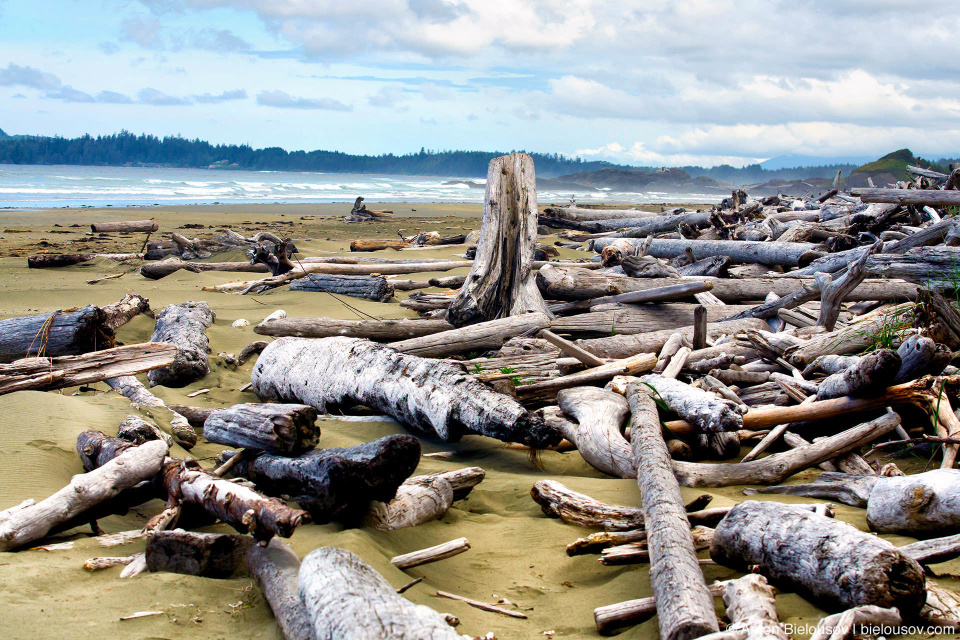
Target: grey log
<point>649,225</point>
<point>598,435</point>
<point>346,599</point>
<point>210,555</point>
<point>184,325</point>
<point>869,376</point>
<point>501,281</point>
<point>684,605</point>
<point>287,429</point>
<point>633,319</point>
<point>126,309</point>
<point>60,333</point>
<point>832,562</point>
<point>275,568</point>
<point>705,410</point>
<point>932,197</point>
<point>431,396</point>
<point>375,288</point>
<point>751,607</point>
<point>786,254</point>
<point>377,330</point>
<point>336,483</point>
<point>483,335</point>
<point>922,504</point>
<point>125,226</point>
<point>624,346</point>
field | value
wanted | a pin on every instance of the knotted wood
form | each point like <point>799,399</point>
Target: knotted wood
<point>598,435</point>
<point>60,333</point>
<point>278,428</point>
<point>184,325</point>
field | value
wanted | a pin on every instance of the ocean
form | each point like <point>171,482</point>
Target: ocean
<point>45,186</point>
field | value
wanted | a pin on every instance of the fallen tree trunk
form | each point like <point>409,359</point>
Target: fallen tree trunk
<point>53,260</point>
<point>346,599</point>
<point>658,294</point>
<point>31,521</point>
<point>184,325</point>
<point>636,319</point>
<point>871,374</point>
<point>785,254</point>
<point>163,268</point>
<point>684,605</point>
<point>704,410</point>
<point>275,568</point>
<point>577,283</point>
<point>920,197</point>
<point>130,306</point>
<point>61,333</point>
<point>375,288</point>
<point>922,504</point>
<point>378,245</point>
<point>337,483</point>
<point>501,281</point>
<point>600,415</point>
<point>209,555</point>
<point>72,371</point>
<point>624,346</point>
<point>751,607</point>
<point>128,226</point>
<point>288,429</point>
<point>475,337</point>
<point>639,227</point>
<point>376,330</point>
<point>431,396</point>
<point>577,214</point>
<point>157,270</point>
<point>777,467</point>
<point>829,561</point>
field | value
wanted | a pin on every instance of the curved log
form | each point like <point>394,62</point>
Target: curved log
<point>418,500</point>
<point>431,396</point>
<point>184,325</point>
<point>598,435</point>
<point>829,561</point>
<point>277,428</point>
<point>346,599</point>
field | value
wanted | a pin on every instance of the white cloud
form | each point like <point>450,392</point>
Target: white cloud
<point>158,98</point>
<point>284,100</point>
<point>15,75</point>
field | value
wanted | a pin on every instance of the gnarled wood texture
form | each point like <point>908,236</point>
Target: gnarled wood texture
<point>278,428</point>
<point>598,435</point>
<point>60,333</point>
<point>184,325</point>
<point>275,568</point>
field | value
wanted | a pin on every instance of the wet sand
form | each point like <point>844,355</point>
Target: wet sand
<point>517,552</point>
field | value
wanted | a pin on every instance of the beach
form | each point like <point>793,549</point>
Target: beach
<point>517,553</point>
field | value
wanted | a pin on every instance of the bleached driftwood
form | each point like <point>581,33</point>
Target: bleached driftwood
<point>751,607</point>
<point>377,330</point>
<point>871,374</point>
<point>598,435</point>
<point>684,605</point>
<point>705,410</point>
<point>277,428</point>
<point>418,500</point>
<point>501,282</point>
<point>275,568</point>
<point>346,599</point>
<point>123,311</point>
<point>829,561</point>
<point>184,325</point>
<point>31,520</point>
<point>431,396</point>
<point>431,554</point>
<point>132,389</point>
<point>474,337</point>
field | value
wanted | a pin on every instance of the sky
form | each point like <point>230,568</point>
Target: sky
<point>643,82</point>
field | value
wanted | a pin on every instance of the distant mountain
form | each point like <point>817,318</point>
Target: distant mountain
<point>636,181</point>
<point>888,169</point>
<point>795,160</point>
<point>3,135</point>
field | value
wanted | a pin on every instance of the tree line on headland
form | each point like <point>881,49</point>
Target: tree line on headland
<point>128,149</point>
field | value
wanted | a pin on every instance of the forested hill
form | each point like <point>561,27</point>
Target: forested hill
<point>128,149</point>
<point>3,135</point>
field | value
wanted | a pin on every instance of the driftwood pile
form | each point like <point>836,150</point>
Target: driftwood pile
<point>738,345</point>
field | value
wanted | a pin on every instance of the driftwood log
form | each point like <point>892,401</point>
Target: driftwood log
<point>130,306</point>
<point>336,483</point>
<point>868,376</point>
<point>52,260</point>
<point>132,389</point>
<point>171,264</point>
<point>288,429</point>
<point>705,410</point>
<point>600,415</point>
<point>430,396</point>
<point>501,282</point>
<point>346,599</point>
<point>275,568</point>
<point>787,254</point>
<point>128,226</point>
<point>684,606</point>
<point>210,555</point>
<point>31,520</point>
<point>71,371</point>
<point>184,325</point>
<point>829,561</point>
<point>751,608</point>
<point>376,330</point>
<point>418,500</point>
<point>61,333</point>
<point>484,335</point>
<point>375,288</point>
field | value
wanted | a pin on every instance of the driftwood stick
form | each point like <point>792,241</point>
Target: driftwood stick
<point>492,608</point>
<point>431,554</point>
<point>614,617</point>
<point>484,335</point>
<point>832,293</point>
<point>571,349</point>
<point>684,605</point>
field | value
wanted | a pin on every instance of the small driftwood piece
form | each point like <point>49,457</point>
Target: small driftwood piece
<point>705,410</point>
<point>128,226</point>
<point>547,389</point>
<point>375,288</point>
<point>501,282</point>
<point>431,554</point>
<point>70,371</point>
<point>829,561</point>
<point>210,555</point>
<point>418,500</point>
<point>130,306</point>
<point>376,330</point>
<point>288,429</point>
<point>31,521</point>
<point>184,325</point>
<point>598,435</point>
<point>919,504</point>
<point>346,599</point>
<point>483,606</point>
<point>336,483</point>
<point>751,608</point>
<point>684,605</point>
<point>430,396</point>
<point>870,375</point>
<point>137,430</point>
<point>833,292</point>
<point>275,568</point>
<point>777,467</point>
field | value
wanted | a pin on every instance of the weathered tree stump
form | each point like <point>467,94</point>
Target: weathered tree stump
<point>501,281</point>
<point>287,429</point>
<point>61,333</point>
<point>829,561</point>
<point>431,396</point>
<point>346,599</point>
<point>184,325</point>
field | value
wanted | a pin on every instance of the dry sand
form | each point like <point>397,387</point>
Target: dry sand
<point>517,552</point>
